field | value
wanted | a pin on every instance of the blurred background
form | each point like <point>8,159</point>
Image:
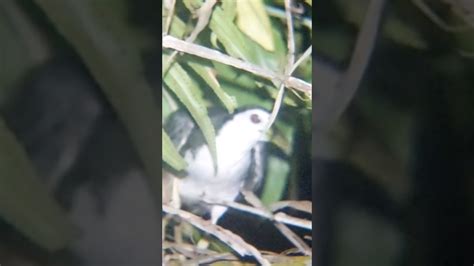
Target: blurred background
<point>394,177</point>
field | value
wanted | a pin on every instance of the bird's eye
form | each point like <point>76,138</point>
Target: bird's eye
<point>255,119</point>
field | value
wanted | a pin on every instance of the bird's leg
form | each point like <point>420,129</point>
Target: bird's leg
<point>216,212</point>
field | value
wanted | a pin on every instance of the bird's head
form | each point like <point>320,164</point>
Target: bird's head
<point>246,127</point>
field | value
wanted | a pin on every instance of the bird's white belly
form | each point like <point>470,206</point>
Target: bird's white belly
<point>202,183</point>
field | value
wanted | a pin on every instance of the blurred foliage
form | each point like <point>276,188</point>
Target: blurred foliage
<point>33,213</point>
<point>407,131</point>
<point>101,34</point>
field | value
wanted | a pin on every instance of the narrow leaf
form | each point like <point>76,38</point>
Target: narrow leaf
<point>189,94</point>
<point>255,22</point>
<point>205,73</point>
<point>276,180</point>
<point>24,200</point>
<point>170,153</point>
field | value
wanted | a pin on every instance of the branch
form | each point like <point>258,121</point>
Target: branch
<point>232,240</point>
<point>210,54</point>
<point>332,101</point>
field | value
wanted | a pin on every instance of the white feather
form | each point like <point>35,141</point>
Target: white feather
<point>234,143</point>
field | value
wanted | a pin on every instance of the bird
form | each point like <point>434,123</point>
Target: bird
<point>241,138</point>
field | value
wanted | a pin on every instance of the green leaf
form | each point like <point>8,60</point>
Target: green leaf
<point>166,102</point>
<point>246,98</point>
<point>255,22</point>
<point>170,153</point>
<point>190,95</point>
<point>229,7</point>
<point>238,45</point>
<point>230,75</point>
<point>230,36</point>
<point>278,171</point>
<point>228,101</point>
<point>25,202</point>
<point>177,27</point>
<point>276,180</point>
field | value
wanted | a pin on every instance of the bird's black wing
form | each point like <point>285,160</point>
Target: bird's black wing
<point>184,132</point>
<point>179,127</point>
<point>257,168</point>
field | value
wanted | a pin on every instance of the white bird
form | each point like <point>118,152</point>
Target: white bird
<point>240,141</point>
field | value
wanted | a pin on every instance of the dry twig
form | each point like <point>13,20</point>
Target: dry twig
<point>232,240</point>
<point>204,52</point>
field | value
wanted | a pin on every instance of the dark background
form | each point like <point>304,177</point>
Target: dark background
<point>394,179</point>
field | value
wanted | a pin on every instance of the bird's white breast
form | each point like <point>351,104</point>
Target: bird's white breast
<point>203,182</point>
<point>234,148</point>
<point>235,142</point>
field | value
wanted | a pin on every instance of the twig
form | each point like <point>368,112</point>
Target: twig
<point>170,5</point>
<point>264,214</point>
<point>289,65</point>
<point>232,240</point>
<point>362,52</point>
<point>292,237</point>
<point>276,12</point>
<point>304,206</point>
<point>276,106</point>
<point>291,36</point>
<point>335,100</point>
<point>204,14</point>
<point>188,250</point>
<point>212,258</point>
<point>210,54</point>
<point>298,222</point>
<point>302,58</point>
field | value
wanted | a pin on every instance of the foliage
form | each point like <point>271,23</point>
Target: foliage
<point>197,83</point>
<point>195,80</point>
